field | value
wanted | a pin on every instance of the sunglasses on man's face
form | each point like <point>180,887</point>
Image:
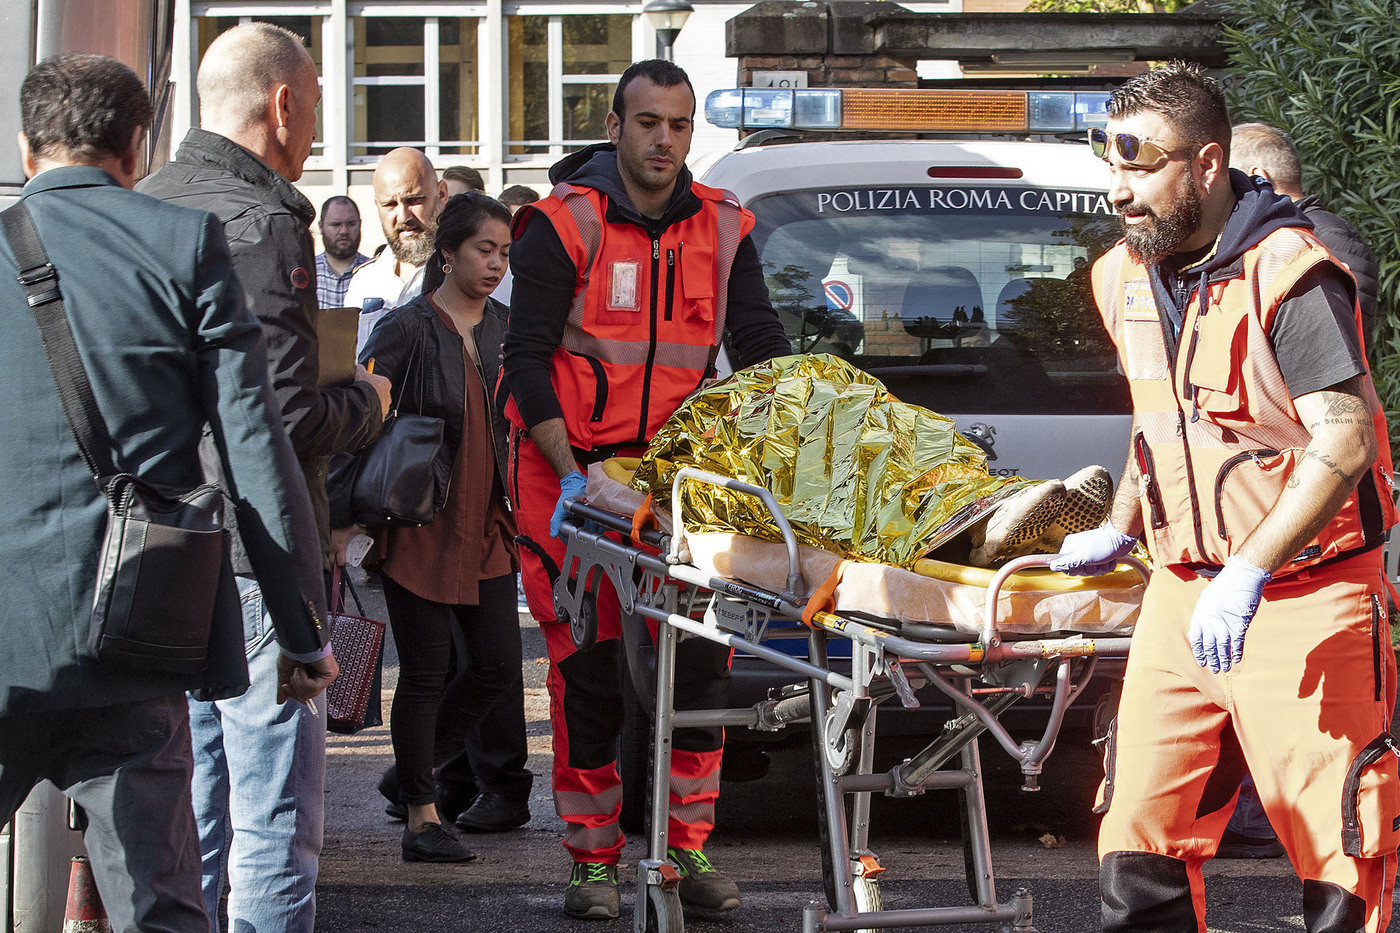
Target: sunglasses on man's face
<point>1135,151</point>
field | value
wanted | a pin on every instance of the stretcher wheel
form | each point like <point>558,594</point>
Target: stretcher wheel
<point>664,911</point>
<point>839,744</point>
<point>584,626</point>
<point>868,897</point>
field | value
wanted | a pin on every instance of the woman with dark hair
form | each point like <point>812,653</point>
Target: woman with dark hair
<point>458,571</point>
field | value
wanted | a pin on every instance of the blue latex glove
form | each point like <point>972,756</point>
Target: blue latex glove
<point>1090,553</point>
<point>570,487</point>
<point>1223,613</point>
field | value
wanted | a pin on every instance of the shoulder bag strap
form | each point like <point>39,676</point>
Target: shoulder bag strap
<point>417,351</point>
<point>40,281</point>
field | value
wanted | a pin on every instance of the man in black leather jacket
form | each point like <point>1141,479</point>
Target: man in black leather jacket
<point>260,765</point>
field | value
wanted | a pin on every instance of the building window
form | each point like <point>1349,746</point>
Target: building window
<point>459,127</point>
<point>415,84</point>
<point>562,73</point>
<point>309,28</point>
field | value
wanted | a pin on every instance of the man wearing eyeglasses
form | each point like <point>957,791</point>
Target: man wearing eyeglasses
<point>1259,478</point>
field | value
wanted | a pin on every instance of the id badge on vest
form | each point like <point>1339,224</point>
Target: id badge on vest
<point>1146,355</point>
<point>622,286</point>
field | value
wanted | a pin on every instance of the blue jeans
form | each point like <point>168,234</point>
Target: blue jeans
<point>1249,818</point>
<point>258,788</point>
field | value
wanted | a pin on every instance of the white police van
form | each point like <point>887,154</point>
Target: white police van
<point>954,270</point>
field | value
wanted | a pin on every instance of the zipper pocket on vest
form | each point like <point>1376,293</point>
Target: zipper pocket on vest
<point>1224,473</point>
<point>670,283</point>
<point>1147,469</point>
<point>1189,388</point>
<point>600,383</point>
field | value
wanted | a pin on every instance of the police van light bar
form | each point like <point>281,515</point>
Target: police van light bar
<point>910,110</point>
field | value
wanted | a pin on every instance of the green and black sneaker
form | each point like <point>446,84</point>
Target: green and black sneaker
<point>592,892</point>
<point>703,889</point>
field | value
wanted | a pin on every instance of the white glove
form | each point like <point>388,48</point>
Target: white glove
<point>1090,553</point>
<point>1223,613</point>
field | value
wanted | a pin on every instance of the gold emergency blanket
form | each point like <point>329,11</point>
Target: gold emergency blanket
<point>854,470</point>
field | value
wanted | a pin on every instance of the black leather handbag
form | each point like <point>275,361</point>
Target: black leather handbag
<point>163,550</point>
<point>394,479</point>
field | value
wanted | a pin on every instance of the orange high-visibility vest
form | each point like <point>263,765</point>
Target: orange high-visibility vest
<point>1217,433</point>
<point>648,314</point>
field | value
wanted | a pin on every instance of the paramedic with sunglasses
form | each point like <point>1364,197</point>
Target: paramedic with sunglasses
<point>1258,476</point>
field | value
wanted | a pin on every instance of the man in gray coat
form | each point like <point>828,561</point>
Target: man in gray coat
<point>259,787</point>
<point>168,345</point>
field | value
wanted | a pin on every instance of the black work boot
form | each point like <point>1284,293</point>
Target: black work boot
<point>592,892</point>
<point>703,890</point>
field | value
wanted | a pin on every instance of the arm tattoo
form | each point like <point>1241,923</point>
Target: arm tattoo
<point>1328,462</point>
<point>1343,408</point>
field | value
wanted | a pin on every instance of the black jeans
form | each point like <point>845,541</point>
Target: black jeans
<point>484,700</point>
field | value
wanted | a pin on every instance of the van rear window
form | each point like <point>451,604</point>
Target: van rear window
<point>961,298</point>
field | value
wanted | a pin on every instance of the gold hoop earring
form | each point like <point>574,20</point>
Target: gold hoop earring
<point>447,268</point>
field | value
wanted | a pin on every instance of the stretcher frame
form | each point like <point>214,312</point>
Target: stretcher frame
<point>686,602</point>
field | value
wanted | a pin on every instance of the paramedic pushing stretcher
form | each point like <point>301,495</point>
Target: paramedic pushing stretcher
<point>626,279</point>
<point>1259,476</point>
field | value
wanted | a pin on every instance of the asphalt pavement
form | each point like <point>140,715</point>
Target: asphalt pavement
<point>766,840</point>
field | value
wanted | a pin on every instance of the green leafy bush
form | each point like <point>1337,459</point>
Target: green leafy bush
<point>1329,74</point>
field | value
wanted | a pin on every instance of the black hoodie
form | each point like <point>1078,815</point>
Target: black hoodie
<point>1314,334</point>
<point>544,283</point>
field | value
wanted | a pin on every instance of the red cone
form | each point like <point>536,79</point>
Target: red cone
<point>84,913</point>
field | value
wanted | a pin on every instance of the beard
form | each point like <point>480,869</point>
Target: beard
<point>415,250</point>
<point>1152,240</point>
<point>340,251</point>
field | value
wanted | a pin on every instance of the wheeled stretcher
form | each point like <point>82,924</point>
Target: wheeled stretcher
<point>985,642</point>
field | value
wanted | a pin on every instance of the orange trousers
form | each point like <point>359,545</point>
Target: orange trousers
<point>1307,709</point>
<point>585,701</point>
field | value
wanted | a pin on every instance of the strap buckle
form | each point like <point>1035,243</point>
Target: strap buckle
<point>33,281</point>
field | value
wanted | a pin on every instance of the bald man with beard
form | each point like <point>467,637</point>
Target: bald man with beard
<point>259,776</point>
<point>409,197</point>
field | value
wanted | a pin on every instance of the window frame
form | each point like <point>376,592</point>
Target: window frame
<point>334,148</point>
